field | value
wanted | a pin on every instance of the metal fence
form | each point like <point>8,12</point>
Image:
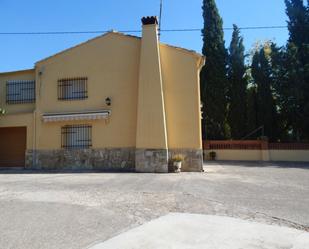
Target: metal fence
<point>20,91</point>
<point>251,145</point>
<point>72,88</point>
<point>232,145</point>
<point>76,136</point>
<point>288,146</point>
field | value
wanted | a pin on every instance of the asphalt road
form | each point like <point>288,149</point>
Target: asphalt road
<point>70,210</point>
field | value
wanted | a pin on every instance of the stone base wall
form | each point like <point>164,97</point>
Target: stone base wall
<point>193,159</point>
<point>151,160</point>
<point>122,159</point>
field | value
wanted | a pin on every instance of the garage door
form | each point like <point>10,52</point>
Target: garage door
<point>12,146</point>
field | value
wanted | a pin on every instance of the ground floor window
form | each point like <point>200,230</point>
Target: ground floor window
<point>76,136</point>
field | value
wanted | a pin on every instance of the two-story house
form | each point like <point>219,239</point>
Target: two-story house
<point>115,102</point>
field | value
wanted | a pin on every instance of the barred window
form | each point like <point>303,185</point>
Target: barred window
<point>76,136</point>
<point>20,91</point>
<point>72,88</point>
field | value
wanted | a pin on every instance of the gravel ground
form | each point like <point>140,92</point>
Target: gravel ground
<point>75,210</point>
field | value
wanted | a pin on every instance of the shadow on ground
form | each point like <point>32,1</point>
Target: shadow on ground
<point>27,171</point>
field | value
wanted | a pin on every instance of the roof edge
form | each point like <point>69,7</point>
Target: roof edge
<point>192,52</point>
<point>85,42</point>
<point>17,71</point>
<point>188,51</point>
<point>185,50</point>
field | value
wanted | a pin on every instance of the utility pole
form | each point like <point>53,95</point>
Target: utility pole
<point>160,17</point>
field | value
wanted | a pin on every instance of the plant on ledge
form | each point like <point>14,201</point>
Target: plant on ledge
<point>2,111</point>
<point>177,163</point>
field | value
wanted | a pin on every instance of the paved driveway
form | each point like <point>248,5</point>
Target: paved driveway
<point>68,210</point>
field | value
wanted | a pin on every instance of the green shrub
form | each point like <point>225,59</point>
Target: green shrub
<point>178,158</point>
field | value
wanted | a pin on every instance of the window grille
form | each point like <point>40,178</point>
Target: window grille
<point>76,136</point>
<point>72,88</point>
<point>20,91</point>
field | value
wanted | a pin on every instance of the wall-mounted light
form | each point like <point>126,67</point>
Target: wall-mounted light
<point>108,101</point>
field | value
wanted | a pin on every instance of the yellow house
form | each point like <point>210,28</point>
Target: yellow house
<point>116,102</point>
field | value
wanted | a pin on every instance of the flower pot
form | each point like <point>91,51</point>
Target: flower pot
<point>177,166</point>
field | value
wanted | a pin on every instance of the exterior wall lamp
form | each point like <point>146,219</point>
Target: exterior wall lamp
<point>108,101</point>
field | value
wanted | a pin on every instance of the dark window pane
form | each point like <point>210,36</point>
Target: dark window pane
<point>72,88</point>
<point>76,136</point>
<point>20,91</point>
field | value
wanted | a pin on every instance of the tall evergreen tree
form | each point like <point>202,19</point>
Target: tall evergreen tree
<point>213,75</point>
<point>237,86</point>
<point>284,104</point>
<point>252,107</point>
<point>298,71</point>
<point>298,22</point>
<point>266,110</point>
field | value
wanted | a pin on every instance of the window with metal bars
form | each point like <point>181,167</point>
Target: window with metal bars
<point>76,136</point>
<point>20,91</point>
<point>72,88</point>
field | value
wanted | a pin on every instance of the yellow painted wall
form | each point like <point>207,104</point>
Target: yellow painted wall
<point>151,123</point>
<point>17,115</point>
<point>19,75</point>
<point>182,103</point>
<point>20,120</point>
<point>289,155</point>
<point>100,132</point>
<point>237,155</point>
<point>111,64</point>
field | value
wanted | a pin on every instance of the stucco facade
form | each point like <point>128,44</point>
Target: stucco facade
<point>153,107</point>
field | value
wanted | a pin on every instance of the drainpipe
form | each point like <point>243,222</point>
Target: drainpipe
<point>34,139</point>
<point>37,95</point>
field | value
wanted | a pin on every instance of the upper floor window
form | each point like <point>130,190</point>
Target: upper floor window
<point>76,136</point>
<point>72,88</point>
<point>20,91</point>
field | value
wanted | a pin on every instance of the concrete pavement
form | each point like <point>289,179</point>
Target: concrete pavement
<point>196,231</point>
<point>70,210</point>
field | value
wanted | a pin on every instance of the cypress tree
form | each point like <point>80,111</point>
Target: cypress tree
<point>298,72</point>
<point>214,74</point>
<point>266,110</point>
<point>285,105</point>
<point>237,86</point>
<point>252,107</point>
<point>298,22</point>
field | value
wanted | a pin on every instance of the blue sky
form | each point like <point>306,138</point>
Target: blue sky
<point>21,52</point>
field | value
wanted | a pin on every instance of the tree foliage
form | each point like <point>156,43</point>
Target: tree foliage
<point>297,68</point>
<point>265,108</point>
<point>213,75</point>
<point>297,13</point>
<point>237,86</point>
<point>271,91</point>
